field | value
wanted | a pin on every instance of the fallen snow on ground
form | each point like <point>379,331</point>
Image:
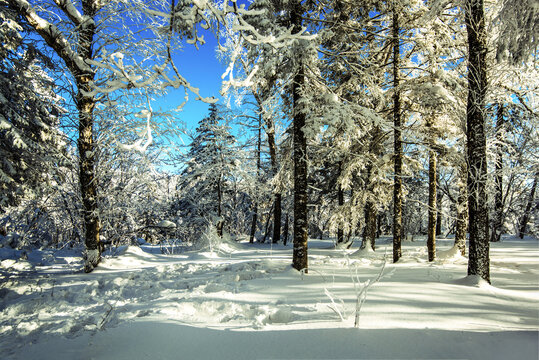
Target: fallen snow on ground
<point>246,302</point>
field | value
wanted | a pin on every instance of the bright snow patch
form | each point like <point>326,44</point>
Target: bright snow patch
<point>249,303</point>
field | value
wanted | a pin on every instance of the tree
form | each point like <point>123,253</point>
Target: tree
<point>479,263</point>
<point>284,25</point>
<point>30,143</point>
<point>301,228</point>
<point>497,222</point>
<point>527,211</point>
<point>206,178</point>
<point>397,141</point>
<point>99,62</point>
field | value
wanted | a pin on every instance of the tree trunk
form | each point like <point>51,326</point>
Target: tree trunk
<point>270,131</point>
<point>431,237</point>
<point>253,223</point>
<point>369,235</point>
<point>277,218</point>
<point>83,75</point>
<point>526,216</point>
<point>266,227</point>
<point>432,212</point>
<point>397,182</point>
<point>439,198</point>
<point>285,238</point>
<point>497,222</point>
<point>462,213</point>
<point>299,258</point>
<point>340,202</point>
<point>479,263</point>
<point>258,166</point>
<point>86,145</point>
<point>220,222</point>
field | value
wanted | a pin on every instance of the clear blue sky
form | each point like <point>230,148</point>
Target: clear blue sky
<point>202,69</point>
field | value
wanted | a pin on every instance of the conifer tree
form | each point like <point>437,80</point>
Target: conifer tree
<point>205,180</point>
<point>30,111</point>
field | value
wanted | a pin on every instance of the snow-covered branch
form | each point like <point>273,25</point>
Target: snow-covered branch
<point>52,35</point>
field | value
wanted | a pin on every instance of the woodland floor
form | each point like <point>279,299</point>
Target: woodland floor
<point>244,301</point>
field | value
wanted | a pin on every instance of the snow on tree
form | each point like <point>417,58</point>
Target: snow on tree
<point>206,179</point>
<point>30,111</point>
<point>283,28</point>
<point>103,53</point>
<point>476,136</point>
<point>519,30</point>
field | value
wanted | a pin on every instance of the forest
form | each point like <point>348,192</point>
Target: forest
<point>372,127</point>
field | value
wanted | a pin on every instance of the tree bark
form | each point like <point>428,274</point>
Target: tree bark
<point>479,263</point>
<point>462,212</point>
<point>497,222</point>
<point>439,199</point>
<point>286,220</point>
<point>84,75</point>
<point>397,182</point>
<point>369,235</point>
<point>432,212</point>
<point>270,131</point>
<point>340,203</point>
<point>299,258</point>
<point>220,221</point>
<point>258,166</point>
<point>272,145</point>
<point>87,151</point>
<point>526,216</point>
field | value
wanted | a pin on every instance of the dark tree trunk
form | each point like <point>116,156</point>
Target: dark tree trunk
<point>526,216</point>
<point>270,131</point>
<point>479,263</point>
<point>369,235</point>
<point>431,232</point>
<point>277,218</point>
<point>253,223</point>
<point>285,238</point>
<point>497,222</point>
<point>258,166</point>
<point>220,221</point>
<point>301,227</point>
<point>432,212</point>
<point>266,227</point>
<point>397,182</point>
<point>86,145</point>
<point>462,212</point>
<point>340,202</point>
<point>439,199</point>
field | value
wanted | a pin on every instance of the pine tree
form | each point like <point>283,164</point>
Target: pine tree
<point>206,178</point>
<point>99,62</point>
<point>30,111</point>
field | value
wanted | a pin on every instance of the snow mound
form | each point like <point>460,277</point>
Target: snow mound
<point>127,257</point>
<point>283,315</point>
<point>474,281</point>
<point>453,254</point>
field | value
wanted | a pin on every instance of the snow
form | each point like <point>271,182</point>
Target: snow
<point>244,301</point>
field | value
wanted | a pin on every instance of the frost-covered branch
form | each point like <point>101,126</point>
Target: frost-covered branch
<point>52,35</point>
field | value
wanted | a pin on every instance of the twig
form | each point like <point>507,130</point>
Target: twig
<point>100,327</point>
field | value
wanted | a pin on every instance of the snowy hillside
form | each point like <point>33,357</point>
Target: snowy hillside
<point>246,302</point>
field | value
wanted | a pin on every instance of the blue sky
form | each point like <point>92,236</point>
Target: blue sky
<point>202,69</point>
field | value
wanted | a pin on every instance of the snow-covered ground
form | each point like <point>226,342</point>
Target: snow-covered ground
<point>246,302</point>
